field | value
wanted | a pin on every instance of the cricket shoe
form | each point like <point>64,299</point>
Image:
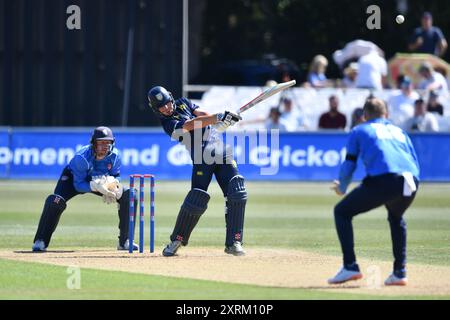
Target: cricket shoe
<point>39,246</point>
<point>345,275</point>
<point>171,249</point>
<point>235,249</point>
<point>126,246</point>
<point>393,280</point>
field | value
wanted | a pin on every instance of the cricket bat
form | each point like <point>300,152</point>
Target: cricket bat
<point>265,95</point>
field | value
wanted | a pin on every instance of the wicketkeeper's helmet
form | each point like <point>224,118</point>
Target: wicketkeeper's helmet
<point>103,133</point>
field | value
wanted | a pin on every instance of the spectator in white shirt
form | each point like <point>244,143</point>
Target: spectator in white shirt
<point>423,120</point>
<point>401,105</point>
<point>372,71</point>
<point>432,80</point>
<point>290,116</point>
<point>350,74</point>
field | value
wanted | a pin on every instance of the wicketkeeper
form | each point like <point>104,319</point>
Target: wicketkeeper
<point>199,132</point>
<point>95,168</point>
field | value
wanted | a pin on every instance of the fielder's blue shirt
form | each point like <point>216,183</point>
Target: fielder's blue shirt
<point>382,147</point>
<point>84,166</point>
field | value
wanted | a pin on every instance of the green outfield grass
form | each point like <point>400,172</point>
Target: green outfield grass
<point>285,215</point>
<point>49,282</point>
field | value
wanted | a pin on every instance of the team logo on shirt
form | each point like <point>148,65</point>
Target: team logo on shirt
<point>109,166</point>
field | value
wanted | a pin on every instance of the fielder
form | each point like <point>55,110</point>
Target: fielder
<point>95,168</point>
<point>199,132</point>
<point>392,180</point>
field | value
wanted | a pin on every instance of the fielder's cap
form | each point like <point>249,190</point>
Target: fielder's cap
<point>427,14</point>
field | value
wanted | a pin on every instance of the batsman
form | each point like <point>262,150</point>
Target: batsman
<point>199,132</point>
<point>95,168</point>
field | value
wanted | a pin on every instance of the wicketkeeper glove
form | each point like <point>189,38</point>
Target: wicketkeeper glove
<point>107,186</point>
<point>114,185</point>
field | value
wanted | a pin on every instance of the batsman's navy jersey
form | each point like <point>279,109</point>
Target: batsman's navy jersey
<point>383,148</point>
<point>173,126</point>
<point>84,166</point>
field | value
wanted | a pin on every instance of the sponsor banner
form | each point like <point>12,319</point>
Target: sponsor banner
<point>433,151</point>
<point>42,154</point>
<point>4,152</point>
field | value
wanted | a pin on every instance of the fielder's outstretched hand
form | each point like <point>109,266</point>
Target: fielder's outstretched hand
<point>336,188</point>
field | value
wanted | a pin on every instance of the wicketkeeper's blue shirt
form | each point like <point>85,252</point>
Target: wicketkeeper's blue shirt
<point>84,166</point>
<point>382,147</point>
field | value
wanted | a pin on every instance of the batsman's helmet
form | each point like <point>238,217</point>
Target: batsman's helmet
<point>103,133</point>
<point>158,97</point>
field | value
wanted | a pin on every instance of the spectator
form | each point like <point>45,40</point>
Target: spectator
<point>422,121</point>
<point>428,39</point>
<point>288,93</point>
<point>290,116</point>
<point>357,117</point>
<point>444,73</point>
<point>350,74</point>
<point>432,80</point>
<point>332,119</point>
<point>286,77</point>
<point>274,121</point>
<point>433,104</point>
<point>399,81</point>
<point>401,105</point>
<point>372,71</point>
<point>316,75</point>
